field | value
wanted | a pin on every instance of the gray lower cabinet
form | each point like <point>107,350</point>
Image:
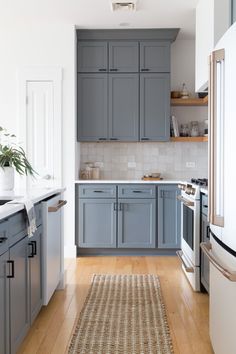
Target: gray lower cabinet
<point>155,56</point>
<point>19,293</point>
<point>35,273</point>
<point>124,56</point>
<point>123,107</point>
<point>97,223</point>
<point>154,107</point>
<point>92,107</point>
<point>4,305</point>
<point>92,56</point>
<point>168,216</point>
<point>137,223</point>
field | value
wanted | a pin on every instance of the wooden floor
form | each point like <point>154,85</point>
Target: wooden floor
<point>187,311</point>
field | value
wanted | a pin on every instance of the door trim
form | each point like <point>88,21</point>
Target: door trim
<point>53,74</point>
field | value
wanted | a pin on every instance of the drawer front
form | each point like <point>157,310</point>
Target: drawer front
<point>204,204</point>
<point>38,213</point>
<point>17,227</point>
<point>4,242</point>
<point>136,191</point>
<point>97,191</point>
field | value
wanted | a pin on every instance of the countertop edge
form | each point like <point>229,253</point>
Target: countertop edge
<point>35,196</point>
<point>101,181</point>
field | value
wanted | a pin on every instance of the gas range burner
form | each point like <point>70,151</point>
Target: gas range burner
<point>200,181</point>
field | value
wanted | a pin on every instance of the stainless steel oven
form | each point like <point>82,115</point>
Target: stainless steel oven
<point>190,233</point>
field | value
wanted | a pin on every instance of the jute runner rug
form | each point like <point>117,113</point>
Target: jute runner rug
<point>123,314</point>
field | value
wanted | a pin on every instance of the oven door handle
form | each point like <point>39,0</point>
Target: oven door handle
<point>185,201</point>
<point>186,267</point>
<point>206,248</point>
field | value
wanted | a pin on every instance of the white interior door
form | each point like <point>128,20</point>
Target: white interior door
<point>40,137</point>
<point>40,113</point>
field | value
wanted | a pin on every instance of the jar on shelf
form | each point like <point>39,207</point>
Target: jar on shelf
<point>184,130</point>
<point>194,128</point>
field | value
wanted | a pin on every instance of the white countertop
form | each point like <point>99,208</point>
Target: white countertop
<point>35,195</point>
<point>118,181</point>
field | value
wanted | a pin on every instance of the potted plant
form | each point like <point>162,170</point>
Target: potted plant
<point>12,156</point>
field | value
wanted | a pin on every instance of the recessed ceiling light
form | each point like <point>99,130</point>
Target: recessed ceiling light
<point>124,5</point>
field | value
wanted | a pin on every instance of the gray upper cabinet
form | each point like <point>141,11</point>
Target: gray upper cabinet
<point>92,107</point>
<point>92,56</point>
<point>168,217</point>
<point>123,107</point>
<point>155,57</point>
<point>137,223</point>
<point>19,293</point>
<point>4,305</point>
<point>154,107</point>
<point>124,57</point>
<point>97,223</point>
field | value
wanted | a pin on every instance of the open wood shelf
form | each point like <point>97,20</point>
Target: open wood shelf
<point>197,139</point>
<point>189,101</point>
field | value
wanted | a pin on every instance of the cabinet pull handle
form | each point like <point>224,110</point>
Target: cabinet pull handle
<point>54,209</point>
<point>137,191</point>
<point>145,69</point>
<point>3,239</point>
<point>12,275</point>
<point>121,206</point>
<point>205,206</point>
<point>113,69</point>
<point>114,139</point>
<point>145,139</point>
<point>102,139</point>
<point>98,191</point>
<point>31,245</point>
<point>115,206</point>
<point>34,248</point>
<point>102,69</point>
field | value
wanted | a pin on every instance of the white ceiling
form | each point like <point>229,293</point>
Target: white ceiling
<point>98,14</point>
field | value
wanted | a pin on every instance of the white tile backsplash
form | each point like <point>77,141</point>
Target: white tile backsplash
<point>167,158</point>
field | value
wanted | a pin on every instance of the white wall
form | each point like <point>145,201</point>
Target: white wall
<point>43,45</point>
<point>183,64</point>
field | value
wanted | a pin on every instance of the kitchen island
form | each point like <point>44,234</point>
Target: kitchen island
<point>22,263</point>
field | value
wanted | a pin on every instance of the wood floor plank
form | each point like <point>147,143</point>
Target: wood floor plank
<point>187,311</point>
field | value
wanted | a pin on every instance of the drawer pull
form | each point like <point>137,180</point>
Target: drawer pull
<point>12,275</point>
<point>113,69</point>
<point>3,239</point>
<point>98,191</point>
<point>54,209</point>
<point>145,69</point>
<point>186,267</point>
<point>145,139</point>
<point>102,69</point>
<point>138,191</point>
<point>102,139</point>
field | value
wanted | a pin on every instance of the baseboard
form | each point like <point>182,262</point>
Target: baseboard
<point>124,252</point>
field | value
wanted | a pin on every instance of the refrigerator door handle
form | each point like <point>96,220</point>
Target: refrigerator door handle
<point>227,273</point>
<point>216,141</point>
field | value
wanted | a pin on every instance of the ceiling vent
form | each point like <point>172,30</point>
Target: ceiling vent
<point>124,5</point>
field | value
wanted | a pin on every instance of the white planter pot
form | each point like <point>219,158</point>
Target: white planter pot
<point>6,178</point>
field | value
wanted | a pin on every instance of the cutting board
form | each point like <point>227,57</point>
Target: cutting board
<point>152,178</point>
